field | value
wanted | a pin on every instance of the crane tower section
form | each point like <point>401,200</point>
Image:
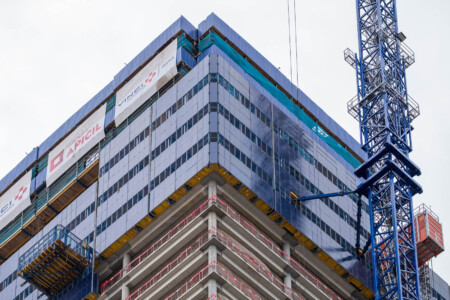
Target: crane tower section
<point>385,111</point>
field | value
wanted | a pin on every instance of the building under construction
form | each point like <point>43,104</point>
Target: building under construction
<point>187,177</point>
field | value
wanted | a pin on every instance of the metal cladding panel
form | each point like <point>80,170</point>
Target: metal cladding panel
<point>77,207</point>
<point>120,224</point>
<point>329,245</point>
<point>184,55</point>
<point>9,292</point>
<point>186,83</point>
<point>109,118</point>
<point>136,128</point>
<point>177,179</point>
<point>8,267</point>
<point>119,142</point>
<point>440,285</point>
<point>86,227</point>
<point>225,63</point>
<point>144,55</point>
<point>105,155</point>
<point>18,170</point>
<point>113,232</point>
<point>112,228</point>
<point>214,21</point>
<point>231,137</point>
<point>75,119</point>
<point>115,202</point>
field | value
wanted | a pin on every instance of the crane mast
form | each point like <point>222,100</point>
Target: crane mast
<point>385,111</point>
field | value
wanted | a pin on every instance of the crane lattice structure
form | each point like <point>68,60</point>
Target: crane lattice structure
<point>385,111</point>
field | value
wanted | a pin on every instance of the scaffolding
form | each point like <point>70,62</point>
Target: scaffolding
<point>425,281</point>
<point>49,203</point>
<point>55,260</point>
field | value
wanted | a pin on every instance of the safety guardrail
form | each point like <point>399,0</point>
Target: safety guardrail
<point>59,232</point>
<point>155,246</point>
<point>214,267</point>
<point>46,195</point>
<point>180,258</point>
<point>214,200</point>
<point>275,249</point>
<point>255,265</point>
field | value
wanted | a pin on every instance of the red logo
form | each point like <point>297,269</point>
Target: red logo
<point>21,193</point>
<point>56,160</point>
<point>150,77</point>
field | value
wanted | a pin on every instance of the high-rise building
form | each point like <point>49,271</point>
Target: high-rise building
<point>176,181</point>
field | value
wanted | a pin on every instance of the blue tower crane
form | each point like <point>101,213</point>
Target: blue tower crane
<point>385,111</point>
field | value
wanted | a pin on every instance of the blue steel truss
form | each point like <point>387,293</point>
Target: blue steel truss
<point>385,112</point>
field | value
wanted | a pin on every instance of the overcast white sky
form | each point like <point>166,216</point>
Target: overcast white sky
<point>56,55</point>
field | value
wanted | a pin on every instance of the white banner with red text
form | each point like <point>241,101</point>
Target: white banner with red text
<point>144,84</point>
<point>77,144</point>
<point>15,200</point>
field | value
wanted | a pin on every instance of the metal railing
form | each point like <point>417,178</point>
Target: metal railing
<point>422,208</point>
<point>217,297</point>
<point>214,200</point>
<point>59,232</point>
<point>413,108</point>
<point>230,246</point>
<point>407,54</point>
<point>274,248</point>
<point>353,107</point>
<point>349,57</point>
<point>214,267</point>
<point>255,265</point>
<point>46,195</point>
<point>180,258</point>
<point>155,246</point>
<point>235,282</point>
<point>192,282</point>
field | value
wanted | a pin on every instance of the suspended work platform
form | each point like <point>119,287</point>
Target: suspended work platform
<point>55,261</point>
<point>429,236</point>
